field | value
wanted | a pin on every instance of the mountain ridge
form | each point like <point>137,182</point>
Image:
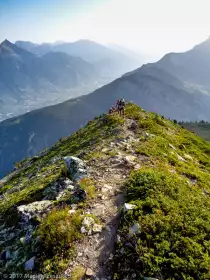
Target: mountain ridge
<point>151,87</point>
<point>109,62</point>
<point>126,183</point>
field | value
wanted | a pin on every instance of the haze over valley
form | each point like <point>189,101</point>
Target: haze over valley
<point>177,87</point>
<point>35,76</point>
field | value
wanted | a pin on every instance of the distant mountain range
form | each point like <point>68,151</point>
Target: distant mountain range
<point>28,81</point>
<point>109,62</point>
<point>34,76</point>
<point>177,87</point>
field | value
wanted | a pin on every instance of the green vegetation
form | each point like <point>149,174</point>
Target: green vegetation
<point>172,205</point>
<point>78,273</point>
<point>43,171</point>
<point>87,185</point>
<point>170,189</point>
<point>59,229</point>
<point>173,242</point>
<point>57,232</point>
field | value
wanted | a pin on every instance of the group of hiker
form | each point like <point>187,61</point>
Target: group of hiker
<point>119,107</point>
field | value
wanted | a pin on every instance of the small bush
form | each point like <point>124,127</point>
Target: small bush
<point>173,241</point>
<point>87,185</point>
<point>59,229</point>
<point>64,172</point>
<point>4,189</point>
<point>78,273</point>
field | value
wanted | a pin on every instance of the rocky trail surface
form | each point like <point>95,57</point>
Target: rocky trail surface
<point>95,252</point>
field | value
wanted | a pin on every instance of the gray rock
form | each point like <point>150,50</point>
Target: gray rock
<point>83,229</point>
<point>130,160</point>
<point>180,158</point>
<point>29,265</point>
<point>97,228</point>
<point>55,159</point>
<point>74,206</point>
<point>135,229</point>
<point>112,144</point>
<point>68,183</point>
<point>172,147</point>
<point>88,221</point>
<point>22,240</point>
<point>72,211</point>
<point>129,245</point>
<point>137,166</point>
<point>80,254</point>
<point>148,135</point>
<point>105,150</point>
<point>70,187</point>
<point>106,188</point>
<point>133,125</point>
<point>188,157</point>
<point>55,191</point>
<point>116,160</point>
<point>118,238</point>
<point>128,207</point>
<point>61,195</point>
<point>76,167</point>
<point>89,272</point>
<point>111,256</point>
<point>122,250</point>
<point>33,209</point>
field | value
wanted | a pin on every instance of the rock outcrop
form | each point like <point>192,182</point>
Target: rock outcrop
<point>33,210</point>
<point>76,167</point>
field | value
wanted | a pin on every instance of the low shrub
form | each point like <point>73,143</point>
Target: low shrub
<point>87,185</point>
<point>59,229</point>
<point>174,218</point>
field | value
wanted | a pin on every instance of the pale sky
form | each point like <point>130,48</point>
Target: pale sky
<point>149,26</point>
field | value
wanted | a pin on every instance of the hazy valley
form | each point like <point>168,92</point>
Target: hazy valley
<point>157,87</point>
<point>30,79</point>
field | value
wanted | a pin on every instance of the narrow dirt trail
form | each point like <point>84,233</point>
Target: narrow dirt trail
<point>109,175</point>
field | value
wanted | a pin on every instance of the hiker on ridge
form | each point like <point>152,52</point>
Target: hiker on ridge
<point>121,106</point>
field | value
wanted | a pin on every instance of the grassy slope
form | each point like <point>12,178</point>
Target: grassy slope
<point>172,206</point>
<point>171,196</point>
<point>28,186</point>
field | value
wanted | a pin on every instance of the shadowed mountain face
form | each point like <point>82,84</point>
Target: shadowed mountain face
<point>192,67</point>
<point>28,81</point>
<point>157,87</point>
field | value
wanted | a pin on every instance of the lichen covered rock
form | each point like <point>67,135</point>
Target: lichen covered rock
<point>33,209</point>
<point>76,167</point>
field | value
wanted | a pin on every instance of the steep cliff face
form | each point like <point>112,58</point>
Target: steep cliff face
<point>122,198</point>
